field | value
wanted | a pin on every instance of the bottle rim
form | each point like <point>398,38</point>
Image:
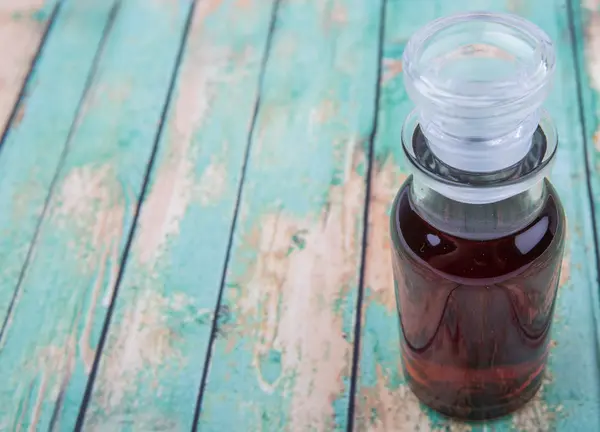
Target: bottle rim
<point>535,73</point>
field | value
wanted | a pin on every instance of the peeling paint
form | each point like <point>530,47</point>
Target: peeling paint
<point>392,68</point>
<point>53,368</point>
<point>165,207</point>
<point>175,184</point>
<point>285,286</point>
<point>13,6</point>
<point>78,244</point>
<point>518,7</point>
<point>146,340</point>
<point>159,332</point>
<point>592,45</point>
<point>385,183</point>
<point>91,203</point>
<point>171,191</point>
<point>206,8</point>
<point>323,113</point>
<point>19,40</point>
<point>35,417</point>
<point>339,14</point>
<point>107,256</point>
<point>212,183</point>
<point>82,190</point>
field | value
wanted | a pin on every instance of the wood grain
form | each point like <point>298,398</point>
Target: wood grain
<point>22,26</point>
<point>34,144</point>
<point>586,21</point>
<point>36,140</point>
<point>75,160</point>
<point>586,25</point>
<point>151,368</point>
<point>49,343</point>
<point>570,395</point>
<point>283,350</point>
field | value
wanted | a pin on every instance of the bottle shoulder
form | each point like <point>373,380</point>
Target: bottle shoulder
<point>425,244</point>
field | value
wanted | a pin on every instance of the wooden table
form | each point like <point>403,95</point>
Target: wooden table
<point>194,215</point>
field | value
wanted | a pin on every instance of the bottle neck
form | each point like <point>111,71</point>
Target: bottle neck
<point>478,221</point>
<point>477,188</point>
<point>479,144</point>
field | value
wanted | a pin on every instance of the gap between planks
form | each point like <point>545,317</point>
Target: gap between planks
<point>365,233</point>
<point>572,12</point>
<point>14,113</point>
<point>217,309</point>
<point>123,261</point>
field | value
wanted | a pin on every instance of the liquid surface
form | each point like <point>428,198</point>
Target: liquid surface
<point>475,315</point>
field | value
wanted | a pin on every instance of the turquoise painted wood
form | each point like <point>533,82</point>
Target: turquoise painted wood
<point>586,21</point>
<point>160,330</point>
<point>296,130</point>
<point>570,398</point>
<point>22,27</point>
<point>35,142</point>
<point>49,343</point>
<point>283,352</point>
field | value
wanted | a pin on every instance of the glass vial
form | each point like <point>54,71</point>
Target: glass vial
<point>478,231</point>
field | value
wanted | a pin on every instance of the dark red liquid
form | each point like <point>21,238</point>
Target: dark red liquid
<point>475,315</point>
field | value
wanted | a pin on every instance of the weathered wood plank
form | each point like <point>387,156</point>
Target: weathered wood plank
<point>283,350</point>
<point>49,344</point>
<point>22,27</point>
<point>36,140</point>
<point>570,397</point>
<point>586,23</point>
<point>151,367</point>
<point>586,26</point>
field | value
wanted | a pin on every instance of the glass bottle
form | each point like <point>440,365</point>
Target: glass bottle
<point>478,231</point>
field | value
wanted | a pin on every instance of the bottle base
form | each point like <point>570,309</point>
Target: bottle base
<point>478,408</point>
